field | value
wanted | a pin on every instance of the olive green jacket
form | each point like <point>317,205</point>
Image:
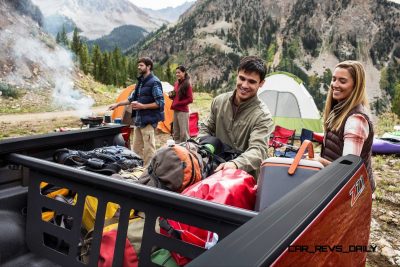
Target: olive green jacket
<point>248,130</point>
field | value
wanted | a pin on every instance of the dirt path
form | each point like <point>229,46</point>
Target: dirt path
<point>16,118</point>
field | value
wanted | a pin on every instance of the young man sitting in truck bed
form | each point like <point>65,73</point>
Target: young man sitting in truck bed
<point>240,120</point>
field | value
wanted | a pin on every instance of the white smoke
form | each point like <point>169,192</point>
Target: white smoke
<point>50,60</point>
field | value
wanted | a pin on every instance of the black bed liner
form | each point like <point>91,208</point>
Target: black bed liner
<point>240,231</point>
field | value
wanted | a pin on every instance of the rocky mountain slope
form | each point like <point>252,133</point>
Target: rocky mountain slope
<point>96,18</point>
<point>36,73</point>
<point>306,34</point>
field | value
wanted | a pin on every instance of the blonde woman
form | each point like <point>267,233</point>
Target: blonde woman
<point>347,125</point>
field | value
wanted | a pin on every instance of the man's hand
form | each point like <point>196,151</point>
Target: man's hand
<point>136,105</point>
<point>113,106</point>
<point>172,94</point>
<point>226,166</point>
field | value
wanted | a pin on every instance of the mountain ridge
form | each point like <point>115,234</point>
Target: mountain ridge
<point>170,14</point>
<point>97,18</point>
<point>124,37</point>
<point>312,36</point>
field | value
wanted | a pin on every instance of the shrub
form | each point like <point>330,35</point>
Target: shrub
<point>396,52</point>
<point>396,100</point>
<point>9,91</point>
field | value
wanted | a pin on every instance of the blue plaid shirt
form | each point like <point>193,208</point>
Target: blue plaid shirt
<point>157,93</point>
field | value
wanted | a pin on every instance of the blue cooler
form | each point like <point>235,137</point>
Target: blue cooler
<point>279,176</point>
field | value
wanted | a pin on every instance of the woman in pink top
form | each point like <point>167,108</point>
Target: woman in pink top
<point>182,96</point>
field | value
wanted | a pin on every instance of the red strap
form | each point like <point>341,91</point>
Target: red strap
<point>307,144</point>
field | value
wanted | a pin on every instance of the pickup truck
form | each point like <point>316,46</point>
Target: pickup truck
<point>325,221</point>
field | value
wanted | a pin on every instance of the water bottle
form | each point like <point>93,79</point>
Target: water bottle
<point>170,142</point>
<point>210,147</point>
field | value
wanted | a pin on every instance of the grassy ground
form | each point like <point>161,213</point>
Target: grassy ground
<point>35,100</point>
<point>33,126</point>
<point>385,226</point>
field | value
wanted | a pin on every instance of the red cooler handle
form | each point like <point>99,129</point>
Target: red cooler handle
<point>307,144</point>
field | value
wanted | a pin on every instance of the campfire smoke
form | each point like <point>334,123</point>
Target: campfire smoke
<point>34,53</point>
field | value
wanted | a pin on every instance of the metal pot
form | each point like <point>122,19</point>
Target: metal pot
<point>92,121</point>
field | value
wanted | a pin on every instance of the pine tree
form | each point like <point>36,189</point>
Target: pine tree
<point>158,71</point>
<point>132,69</point>
<point>84,58</point>
<point>104,66</point>
<point>76,42</point>
<point>63,37</point>
<point>124,71</point>
<point>58,38</point>
<point>96,61</point>
<point>117,56</point>
<point>117,66</point>
<point>168,74</point>
<point>108,68</point>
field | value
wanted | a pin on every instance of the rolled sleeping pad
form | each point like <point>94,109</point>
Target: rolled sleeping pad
<point>382,146</point>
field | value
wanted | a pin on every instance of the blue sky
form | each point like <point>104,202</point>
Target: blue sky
<point>158,4</point>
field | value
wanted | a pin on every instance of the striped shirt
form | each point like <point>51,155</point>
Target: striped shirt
<point>356,131</point>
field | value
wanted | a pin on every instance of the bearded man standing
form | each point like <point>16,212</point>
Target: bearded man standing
<point>147,103</point>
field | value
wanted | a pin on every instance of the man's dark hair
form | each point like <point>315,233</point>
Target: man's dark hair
<point>253,64</point>
<point>146,61</point>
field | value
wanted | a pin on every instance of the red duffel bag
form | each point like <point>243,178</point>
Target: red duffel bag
<point>231,187</point>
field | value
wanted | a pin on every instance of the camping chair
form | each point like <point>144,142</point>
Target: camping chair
<point>306,135</point>
<point>291,151</point>
<point>280,138</point>
<point>193,124</point>
<point>318,137</point>
<point>312,136</point>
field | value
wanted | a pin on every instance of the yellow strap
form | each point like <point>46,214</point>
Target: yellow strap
<point>47,215</point>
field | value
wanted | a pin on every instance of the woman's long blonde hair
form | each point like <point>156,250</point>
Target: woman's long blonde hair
<point>335,112</point>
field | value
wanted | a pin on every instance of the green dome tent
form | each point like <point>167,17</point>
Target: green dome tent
<point>290,103</point>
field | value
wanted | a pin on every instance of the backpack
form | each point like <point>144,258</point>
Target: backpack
<point>210,157</point>
<point>173,168</point>
<point>178,166</point>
